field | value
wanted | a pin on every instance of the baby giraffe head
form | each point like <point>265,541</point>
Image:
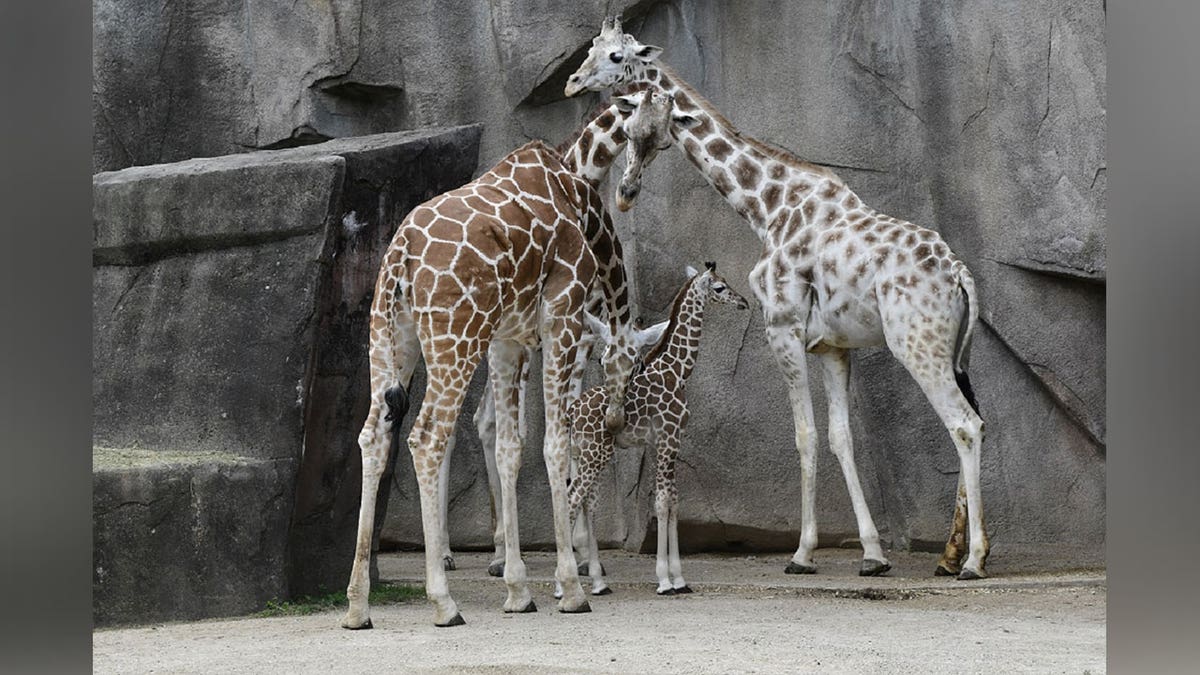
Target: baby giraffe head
<point>614,59</point>
<point>621,350</point>
<point>652,125</point>
<point>714,286</point>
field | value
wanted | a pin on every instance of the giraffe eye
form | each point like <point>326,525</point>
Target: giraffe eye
<point>616,57</point>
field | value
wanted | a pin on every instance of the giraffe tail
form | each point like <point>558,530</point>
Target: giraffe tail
<point>967,283</point>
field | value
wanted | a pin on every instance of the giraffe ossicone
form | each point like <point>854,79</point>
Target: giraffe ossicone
<point>835,275</point>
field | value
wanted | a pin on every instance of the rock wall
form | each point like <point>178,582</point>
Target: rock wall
<point>230,302</point>
<point>982,120</point>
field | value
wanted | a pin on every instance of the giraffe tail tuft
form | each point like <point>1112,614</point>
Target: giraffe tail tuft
<point>967,283</point>
<point>397,404</point>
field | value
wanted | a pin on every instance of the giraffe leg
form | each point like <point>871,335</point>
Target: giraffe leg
<point>593,447</point>
<point>504,369</point>
<point>928,360</point>
<point>662,511</point>
<point>393,357</point>
<point>485,426</point>
<point>594,567</point>
<point>373,442</point>
<point>950,563</point>
<point>788,348</point>
<point>836,368</point>
<point>667,452</point>
<point>557,367</point>
<point>444,504</point>
<point>427,443</point>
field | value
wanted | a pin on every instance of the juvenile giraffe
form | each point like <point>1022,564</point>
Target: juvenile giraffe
<point>589,154</point>
<point>499,265</point>
<point>655,413</point>
<point>596,335</point>
<point>835,275</point>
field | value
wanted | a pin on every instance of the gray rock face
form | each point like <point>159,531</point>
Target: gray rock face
<point>982,120</point>
<point>230,308</point>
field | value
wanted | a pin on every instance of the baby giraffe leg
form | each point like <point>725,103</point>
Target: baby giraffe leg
<point>950,563</point>
<point>594,568</point>
<point>485,426</point>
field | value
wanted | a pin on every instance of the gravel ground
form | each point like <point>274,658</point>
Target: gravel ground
<point>745,616</point>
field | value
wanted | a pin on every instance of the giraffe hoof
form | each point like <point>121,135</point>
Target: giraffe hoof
<point>669,591</point>
<point>456,621</point>
<point>366,625</point>
<point>683,589</point>
<point>448,563</point>
<point>603,591</point>
<point>583,608</point>
<point>797,568</point>
<point>969,574</point>
<point>944,570</point>
<point>527,609</point>
<point>496,569</point>
<point>873,568</point>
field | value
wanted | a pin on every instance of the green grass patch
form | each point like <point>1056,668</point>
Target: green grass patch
<point>381,594</point>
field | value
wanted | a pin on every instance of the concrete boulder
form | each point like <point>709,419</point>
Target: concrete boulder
<point>230,303</point>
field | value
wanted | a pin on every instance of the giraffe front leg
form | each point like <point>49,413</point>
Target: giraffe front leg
<point>595,569</point>
<point>836,367</point>
<point>662,512</point>
<point>787,343</point>
<point>557,368</point>
<point>667,451</point>
<point>504,361</point>
<point>592,448</point>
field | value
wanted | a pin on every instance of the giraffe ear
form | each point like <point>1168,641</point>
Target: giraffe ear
<point>597,327</point>
<point>651,335</point>
<point>685,121</point>
<point>627,103</point>
<point>692,271</point>
<point>647,53</point>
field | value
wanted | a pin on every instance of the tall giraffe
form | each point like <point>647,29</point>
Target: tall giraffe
<point>589,154</point>
<point>655,412</point>
<point>835,275</point>
<point>498,265</point>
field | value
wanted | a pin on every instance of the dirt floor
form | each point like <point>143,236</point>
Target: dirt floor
<point>745,616</point>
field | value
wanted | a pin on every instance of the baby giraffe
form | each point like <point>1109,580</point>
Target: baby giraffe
<point>655,412</point>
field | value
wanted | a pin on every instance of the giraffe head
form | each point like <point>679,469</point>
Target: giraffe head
<point>614,58</point>
<point>715,287</point>
<point>651,124</point>
<point>621,349</point>
<point>643,336</point>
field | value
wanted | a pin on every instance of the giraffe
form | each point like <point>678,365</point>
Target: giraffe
<point>498,265</point>
<point>655,413</point>
<point>589,154</point>
<point>597,334</point>
<point>835,275</point>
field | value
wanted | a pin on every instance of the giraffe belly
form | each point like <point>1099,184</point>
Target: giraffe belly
<point>844,322</point>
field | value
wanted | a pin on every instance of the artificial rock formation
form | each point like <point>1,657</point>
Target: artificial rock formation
<point>230,303</point>
<point>984,121</point>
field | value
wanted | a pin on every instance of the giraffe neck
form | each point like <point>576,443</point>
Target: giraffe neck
<point>758,180</point>
<point>677,348</point>
<point>592,154</point>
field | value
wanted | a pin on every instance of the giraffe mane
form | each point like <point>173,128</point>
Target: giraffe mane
<point>767,148</point>
<point>672,321</point>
